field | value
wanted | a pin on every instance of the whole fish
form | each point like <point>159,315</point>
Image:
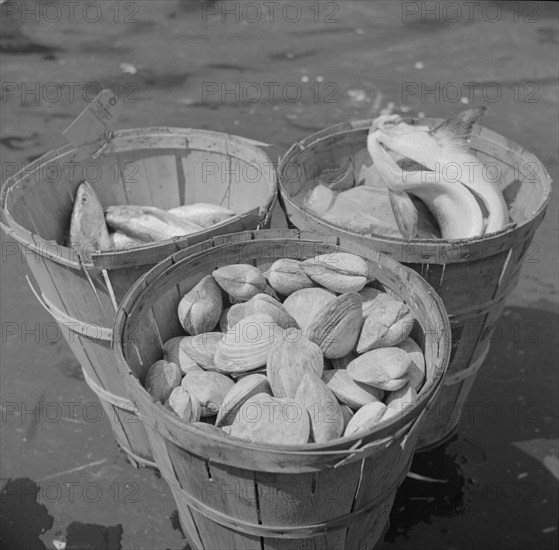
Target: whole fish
<point>147,223</point>
<point>451,180</point>
<point>88,229</point>
<point>202,214</point>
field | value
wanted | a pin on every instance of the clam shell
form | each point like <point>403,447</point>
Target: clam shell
<point>271,420</point>
<point>401,399</point>
<point>347,413</point>
<point>303,305</point>
<point>327,420</point>
<point>202,347</point>
<point>387,324</point>
<point>173,351</point>
<point>200,308</point>
<point>384,368</point>
<point>246,346</point>
<point>289,359</point>
<point>373,298</point>
<point>335,328</point>
<point>184,405</point>
<point>416,372</point>
<point>286,276</point>
<point>365,418</point>
<point>244,389</point>
<point>340,271</point>
<point>349,392</point>
<point>231,316</point>
<point>240,281</point>
<point>263,303</point>
<point>210,388</point>
<point>161,379</point>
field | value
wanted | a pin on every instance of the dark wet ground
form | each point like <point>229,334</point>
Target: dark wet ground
<point>64,481</point>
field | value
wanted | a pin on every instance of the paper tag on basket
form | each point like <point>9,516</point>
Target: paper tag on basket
<point>95,120</point>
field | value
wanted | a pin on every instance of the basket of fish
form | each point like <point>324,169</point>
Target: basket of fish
<point>451,199</point>
<point>92,218</point>
<point>279,410</point>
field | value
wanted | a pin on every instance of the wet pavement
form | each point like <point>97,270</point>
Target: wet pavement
<point>276,75</point>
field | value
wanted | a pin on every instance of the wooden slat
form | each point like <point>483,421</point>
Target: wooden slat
<point>208,178</point>
<point>165,315</point>
<point>161,173</point>
<point>133,174</point>
<point>367,534</point>
<point>299,499</point>
<point>80,301</point>
<point>107,182</point>
<point>455,290</point>
<point>228,490</point>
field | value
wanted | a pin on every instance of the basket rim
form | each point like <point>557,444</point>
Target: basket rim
<point>354,447</point>
<point>68,257</point>
<point>358,126</point>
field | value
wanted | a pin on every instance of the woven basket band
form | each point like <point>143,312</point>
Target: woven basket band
<point>115,400</point>
<point>75,325</point>
<point>486,307</point>
<point>288,531</point>
<point>455,377</point>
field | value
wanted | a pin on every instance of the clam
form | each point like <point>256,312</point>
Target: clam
<point>365,418</point>
<point>335,328</point>
<point>209,388</point>
<point>303,305</point>
<point>246,345</point>
<point>276,421</point>
<point>349,392</point>
<point>200,309</point>
<point>416,372</point>
<point>384,368</point>
<point>289,360</point>
<point>340,271</point>
<point>244,389</point>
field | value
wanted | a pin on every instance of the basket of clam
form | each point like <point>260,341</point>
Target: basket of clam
<point>454,201</point>
<point>282,378</point>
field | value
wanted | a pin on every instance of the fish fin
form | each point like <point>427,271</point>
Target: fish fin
<point>405,213</point>
<point>457,130</point>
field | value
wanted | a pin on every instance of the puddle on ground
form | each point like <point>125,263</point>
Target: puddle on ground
<point>88,536</point>
<point>419,501</point>
<point>22,519</point>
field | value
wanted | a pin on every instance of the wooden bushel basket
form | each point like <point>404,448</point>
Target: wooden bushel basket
<point>231,493</point>
<point>163,167</point>
<point>473,277</point>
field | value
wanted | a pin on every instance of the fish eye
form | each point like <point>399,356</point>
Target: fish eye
<point>84,199</point>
